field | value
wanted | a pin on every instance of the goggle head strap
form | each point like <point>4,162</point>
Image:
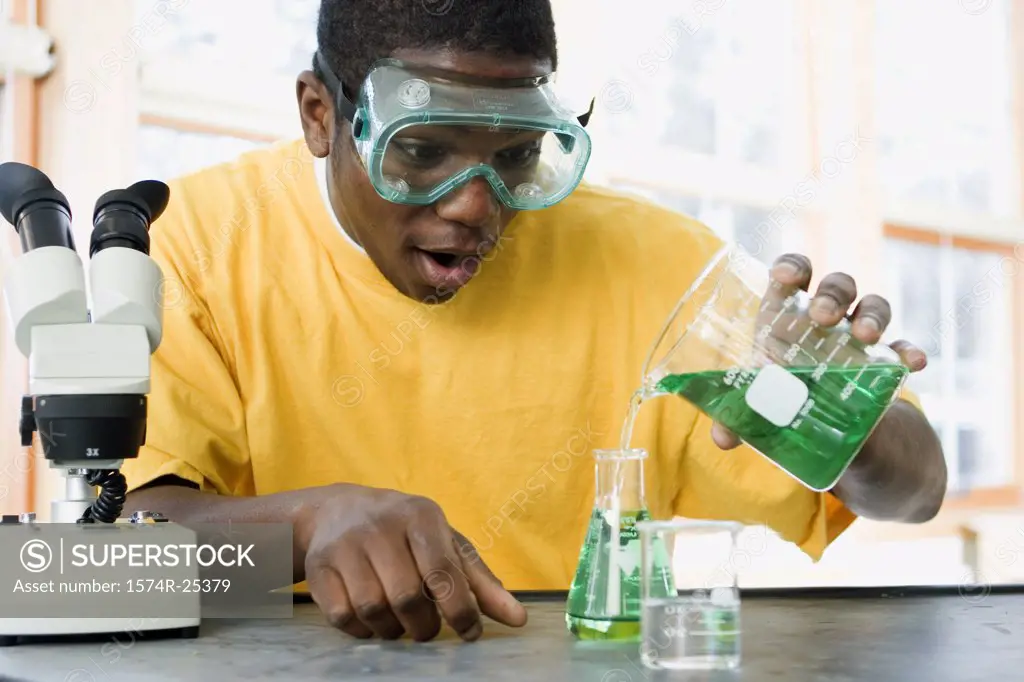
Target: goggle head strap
<point>585,118</point>
<point>347,108</point>
<point>342,104</point>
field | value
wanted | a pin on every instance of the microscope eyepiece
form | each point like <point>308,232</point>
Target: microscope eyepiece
<point>40,213</point>
<point>154,194</point>
<point>122,217</point>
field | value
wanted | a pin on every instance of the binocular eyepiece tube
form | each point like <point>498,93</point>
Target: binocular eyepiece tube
<point>41,214</point>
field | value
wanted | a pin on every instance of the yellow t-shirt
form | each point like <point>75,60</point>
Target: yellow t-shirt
<point>288,361</point>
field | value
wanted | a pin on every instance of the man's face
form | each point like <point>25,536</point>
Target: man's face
<point>426,252</point>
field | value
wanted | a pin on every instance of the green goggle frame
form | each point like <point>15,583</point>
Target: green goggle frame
<point>398,99</point>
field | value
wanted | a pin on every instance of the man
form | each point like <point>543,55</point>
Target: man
<point>398,347</point>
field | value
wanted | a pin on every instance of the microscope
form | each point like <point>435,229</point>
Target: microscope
<point>89,366</point>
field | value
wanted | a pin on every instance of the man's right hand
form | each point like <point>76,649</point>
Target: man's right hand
<point>382,563</point>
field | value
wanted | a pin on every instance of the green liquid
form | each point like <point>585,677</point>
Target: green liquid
<point>843,406</point>
<point>588,614</point>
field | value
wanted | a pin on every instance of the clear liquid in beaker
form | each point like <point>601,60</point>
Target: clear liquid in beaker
<point>698,631</point>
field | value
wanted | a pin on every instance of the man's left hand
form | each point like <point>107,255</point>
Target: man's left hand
<point>832,301</point>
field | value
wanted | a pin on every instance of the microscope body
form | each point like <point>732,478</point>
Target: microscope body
<point>89,368</point>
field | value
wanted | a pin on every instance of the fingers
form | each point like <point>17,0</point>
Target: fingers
<point>444,581</point>
<point>495,601</point>
<point>833,299</point>
<point>724,438</point>
<point>368,596</point>
<point>403,589</point>
<point>790,273</point>
<point>792,270</point>
<point>912,356</point>
<point>329,593</point>
<point>870,318</point>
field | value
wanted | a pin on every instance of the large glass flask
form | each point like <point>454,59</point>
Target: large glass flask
<point>604,599</point>
<point>744,351</point>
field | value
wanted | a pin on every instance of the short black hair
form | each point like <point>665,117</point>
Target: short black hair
<point>353,34</point>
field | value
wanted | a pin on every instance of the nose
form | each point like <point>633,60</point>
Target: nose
<point>472,204</point>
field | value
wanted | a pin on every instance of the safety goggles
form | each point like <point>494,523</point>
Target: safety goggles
<point>422,133</point>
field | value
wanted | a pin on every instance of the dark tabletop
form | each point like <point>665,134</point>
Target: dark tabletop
<point>882,635</point>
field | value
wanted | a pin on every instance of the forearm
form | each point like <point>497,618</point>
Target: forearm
<point>188,506</point>
<point>900,474</point>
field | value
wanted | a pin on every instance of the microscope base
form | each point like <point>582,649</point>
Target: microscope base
<point>183,624</point>
<point>120,631</point>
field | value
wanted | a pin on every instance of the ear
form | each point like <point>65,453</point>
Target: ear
<point>316,112</point>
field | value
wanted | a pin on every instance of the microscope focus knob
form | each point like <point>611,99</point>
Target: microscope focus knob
<point>27,425</point>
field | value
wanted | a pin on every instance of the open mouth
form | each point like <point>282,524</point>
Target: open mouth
<point>445,260</point>
<point>441,268</point>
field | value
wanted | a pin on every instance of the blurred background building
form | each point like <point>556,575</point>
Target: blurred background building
<point>883,139</point>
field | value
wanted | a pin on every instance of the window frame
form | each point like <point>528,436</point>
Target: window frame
<point>243,103</point>
<point>19,77</point>
<point>924,222</point>
<point>191,125</point>
<point>21,102</point>
<point>26,47</point>
<point>1015,291</point>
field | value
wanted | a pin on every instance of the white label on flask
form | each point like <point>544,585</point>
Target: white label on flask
<point>776,395</point>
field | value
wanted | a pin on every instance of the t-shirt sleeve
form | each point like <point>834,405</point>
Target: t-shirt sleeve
<point>742,485</point>
<point>911,397</point>
<point>196,422</point>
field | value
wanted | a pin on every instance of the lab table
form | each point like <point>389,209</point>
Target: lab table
<point>879,634</point>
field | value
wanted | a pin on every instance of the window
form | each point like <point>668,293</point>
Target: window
<point>762,234</point>
<point>230,64</point>
<point>964,321</point>
<point>165,153</point>
<point>689,120</point>
<point>684,204</point>
<point>696,85</point>
<point>946,143</point>
<point>273,36</point>
<point>765,234</point>
<point>943,95</point>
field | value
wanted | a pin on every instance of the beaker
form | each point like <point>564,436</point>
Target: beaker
<point>743,350</point>
<point>604,599</point>
<point>697,625</point>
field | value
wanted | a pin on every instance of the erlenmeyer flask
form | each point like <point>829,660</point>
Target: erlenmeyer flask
<point>605,596</point>
<point>745,352</point>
